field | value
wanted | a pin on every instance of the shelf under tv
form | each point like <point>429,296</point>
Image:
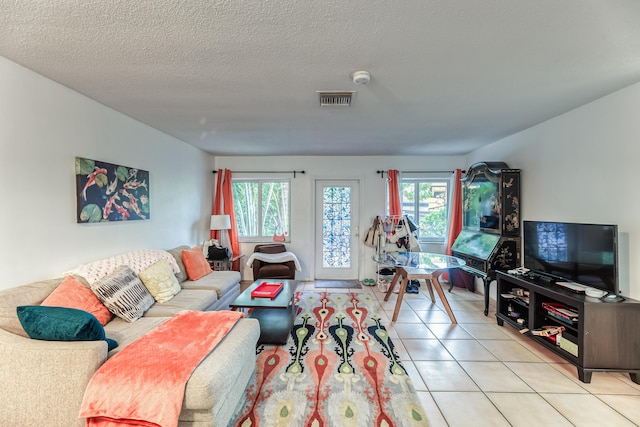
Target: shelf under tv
<point>603,336</point>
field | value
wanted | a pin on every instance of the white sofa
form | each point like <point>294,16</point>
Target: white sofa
<point>43,382</point>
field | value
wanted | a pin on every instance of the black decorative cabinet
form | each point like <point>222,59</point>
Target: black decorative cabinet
<point>490,237</point>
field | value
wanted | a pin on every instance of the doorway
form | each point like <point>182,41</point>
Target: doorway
<point>336,229</point>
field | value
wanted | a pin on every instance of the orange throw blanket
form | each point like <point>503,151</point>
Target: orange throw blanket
<point>144,383</point>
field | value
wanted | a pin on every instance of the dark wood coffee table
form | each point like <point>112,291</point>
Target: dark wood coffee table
<point>276,315</point>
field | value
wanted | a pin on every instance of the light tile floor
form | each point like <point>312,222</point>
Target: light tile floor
<point>477,373</point>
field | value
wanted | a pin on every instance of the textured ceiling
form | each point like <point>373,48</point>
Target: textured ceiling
<point>240,77</point>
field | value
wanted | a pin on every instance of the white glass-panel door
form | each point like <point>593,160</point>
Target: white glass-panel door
<point>336,230</point>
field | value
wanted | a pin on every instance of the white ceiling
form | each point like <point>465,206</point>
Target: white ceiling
<point>240,77</point>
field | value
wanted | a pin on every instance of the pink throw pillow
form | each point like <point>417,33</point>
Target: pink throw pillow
<point>71,293</point>
<point>195,263</point>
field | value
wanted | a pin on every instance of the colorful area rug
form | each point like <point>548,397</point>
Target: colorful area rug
<point>338,368</point>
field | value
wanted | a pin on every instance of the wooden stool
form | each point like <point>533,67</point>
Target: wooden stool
<point>418,273</point>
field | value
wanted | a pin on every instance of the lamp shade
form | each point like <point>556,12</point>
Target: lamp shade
<point>220,222</point>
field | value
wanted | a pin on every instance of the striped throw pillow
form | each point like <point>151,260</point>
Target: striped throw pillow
<point>123,293</point>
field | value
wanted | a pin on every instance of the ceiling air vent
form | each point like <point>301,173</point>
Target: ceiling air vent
<point>336,98</point>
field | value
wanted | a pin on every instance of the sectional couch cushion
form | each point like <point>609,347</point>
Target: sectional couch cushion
<point>126,333</point>
<point>176,252</point>
<point>232,369</point>
<point>123,293</point>
<point>160,280</point>
<point>30,294</point>
<point>61,324</point>
<point>221,281</point>
<point>73,294</point>
<point>187,299</point>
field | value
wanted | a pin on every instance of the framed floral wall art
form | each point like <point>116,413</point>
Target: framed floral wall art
<point>108,192</point>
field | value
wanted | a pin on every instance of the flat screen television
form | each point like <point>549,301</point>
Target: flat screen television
<point>581,253</point>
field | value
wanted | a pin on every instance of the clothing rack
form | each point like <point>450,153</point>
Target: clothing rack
<point>293,172</point>
<point>385,244</point>
<point>383,172</point>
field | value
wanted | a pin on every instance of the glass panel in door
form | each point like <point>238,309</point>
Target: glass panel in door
<point>336,230</point>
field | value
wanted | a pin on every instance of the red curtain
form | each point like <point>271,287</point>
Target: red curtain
<point>394,193</point>
<point>223,205</point>
<point>456,211</point>
<point>229,209</point>
<point>217,200</point>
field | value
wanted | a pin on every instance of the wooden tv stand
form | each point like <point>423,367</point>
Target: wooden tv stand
<point>604,337</point>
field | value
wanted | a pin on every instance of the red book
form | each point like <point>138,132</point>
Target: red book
<point>267,290</point>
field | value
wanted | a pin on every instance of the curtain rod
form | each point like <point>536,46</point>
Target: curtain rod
<point>383,172</point>
<point>293,172</point>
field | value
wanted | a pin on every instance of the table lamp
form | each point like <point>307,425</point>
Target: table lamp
<point>221,223</point>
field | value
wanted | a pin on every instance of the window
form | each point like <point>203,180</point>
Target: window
<point>425,202</point>
<point>261,208</point>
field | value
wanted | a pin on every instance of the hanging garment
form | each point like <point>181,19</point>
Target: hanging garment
<point>373,233</point>
<point>403,238</point>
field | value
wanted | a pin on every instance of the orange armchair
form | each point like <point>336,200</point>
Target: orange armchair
<point>267,270</point>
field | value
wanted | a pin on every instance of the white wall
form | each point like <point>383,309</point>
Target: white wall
<point>372,195</point>
<point>43,127</point>
<point>581,167</point>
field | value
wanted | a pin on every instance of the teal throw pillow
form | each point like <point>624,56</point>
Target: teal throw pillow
<point>61,324</point>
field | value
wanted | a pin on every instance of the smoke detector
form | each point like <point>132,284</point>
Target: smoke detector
<point>361,77</point>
